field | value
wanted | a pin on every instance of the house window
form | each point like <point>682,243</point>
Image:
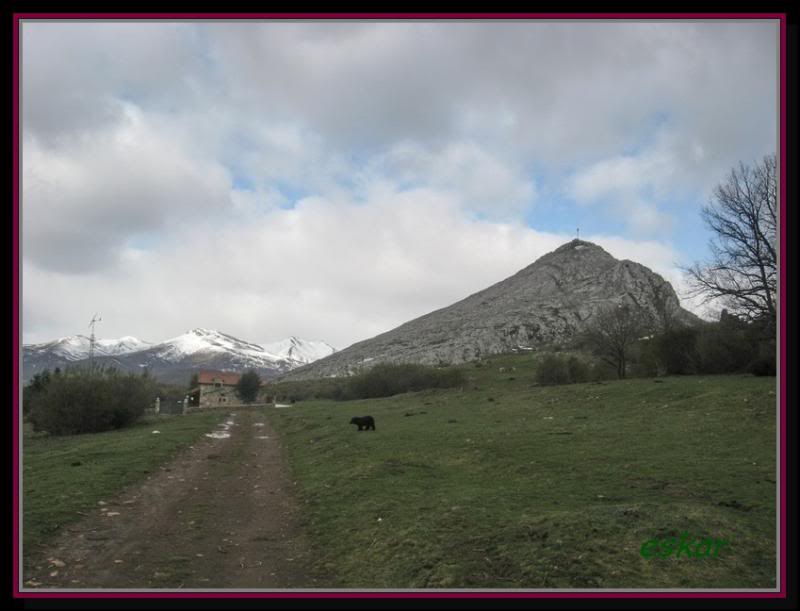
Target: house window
<point>217,384</point>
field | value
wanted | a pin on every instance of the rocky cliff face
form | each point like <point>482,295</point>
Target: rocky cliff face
<point>547,302</point>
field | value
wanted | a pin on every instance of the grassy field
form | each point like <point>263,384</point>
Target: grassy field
<point>505,484</point>
<point>64,477</point>
<point>499,484</point>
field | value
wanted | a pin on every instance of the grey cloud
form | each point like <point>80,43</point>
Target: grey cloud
<point>568,84</point>
<point>81,206</point>
<point>76,74</point>
<point>573,88</point>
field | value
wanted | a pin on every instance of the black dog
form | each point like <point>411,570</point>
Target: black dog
<point>364,424</point>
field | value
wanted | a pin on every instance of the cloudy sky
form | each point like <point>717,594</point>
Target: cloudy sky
<point>332,180</point>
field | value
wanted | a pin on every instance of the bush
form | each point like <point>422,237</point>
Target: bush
<point>648,363</point>
<point>724,349</point>
<point>577,370</point>
<point>82,402</point>
<point>554,369</point>
<point>600,370</point>
<point>765,363</point>
<point>676,351</point>
<point>37,385</point>
<point>386,380</point>
<point>762,366</point>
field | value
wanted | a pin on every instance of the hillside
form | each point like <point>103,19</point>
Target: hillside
<point>508,485</point>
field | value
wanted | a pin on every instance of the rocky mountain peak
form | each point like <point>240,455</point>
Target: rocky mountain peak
<point>576,252</point>
<point>577,245</point>
<point>549,301</point>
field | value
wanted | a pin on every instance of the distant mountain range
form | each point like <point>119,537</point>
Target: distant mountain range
<point>174,360</point>
<point>546,303</point>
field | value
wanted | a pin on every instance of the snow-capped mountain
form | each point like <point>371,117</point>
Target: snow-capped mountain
<point>300,350</point>
<point>175,359</point>
<point>76,347</point>
<point>201,341</point>
<point>123,345</point>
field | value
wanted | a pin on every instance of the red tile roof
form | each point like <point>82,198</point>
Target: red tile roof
<point>227,378</point>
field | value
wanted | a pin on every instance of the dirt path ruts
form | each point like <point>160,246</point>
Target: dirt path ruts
<point>220,515</point>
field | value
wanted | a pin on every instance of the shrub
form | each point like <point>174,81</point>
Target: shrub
<point>82,402</point>
<point>552,370</point>
<point>37,385</point>
<point>385,380</point>
<point>765,363</point>
<point>577,370</point>
<point>676,351</point>
<point>762,366</point>
<point>600,370</point>
<point>648,363</point>
<point>555,369</point>
<point>724,349</point>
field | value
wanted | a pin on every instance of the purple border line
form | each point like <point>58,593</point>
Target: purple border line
<point>15,308</point>
<point>401,594</point>
<point>781,17</point>
<point>783,310</point>
<point>413,16</point>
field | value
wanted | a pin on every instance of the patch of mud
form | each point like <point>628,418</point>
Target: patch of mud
<point>195,523</point>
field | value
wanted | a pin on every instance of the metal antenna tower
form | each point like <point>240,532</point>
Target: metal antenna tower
<point>95,319</point>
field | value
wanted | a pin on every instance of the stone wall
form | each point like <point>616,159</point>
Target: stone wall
<point>214,397</point>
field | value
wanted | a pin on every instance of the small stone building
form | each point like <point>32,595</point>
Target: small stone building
<point>214,388</point>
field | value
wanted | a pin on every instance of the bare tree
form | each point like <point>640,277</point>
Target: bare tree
<point>612,334</point>
<point>743,270</point>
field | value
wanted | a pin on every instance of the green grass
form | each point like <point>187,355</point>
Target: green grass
<point>505,484</point>
<point>57,492</point>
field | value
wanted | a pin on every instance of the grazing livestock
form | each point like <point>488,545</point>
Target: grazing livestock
<point>364,423</point>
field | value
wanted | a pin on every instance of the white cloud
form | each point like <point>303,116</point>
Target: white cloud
<point>340,272</point>
<point>483,182</point>
<point>633,187</point>
<point>82,203</point>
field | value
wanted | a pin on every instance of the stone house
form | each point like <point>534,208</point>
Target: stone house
<point>214,388</point>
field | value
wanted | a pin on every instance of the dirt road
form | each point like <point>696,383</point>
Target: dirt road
<point>220,515</point>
